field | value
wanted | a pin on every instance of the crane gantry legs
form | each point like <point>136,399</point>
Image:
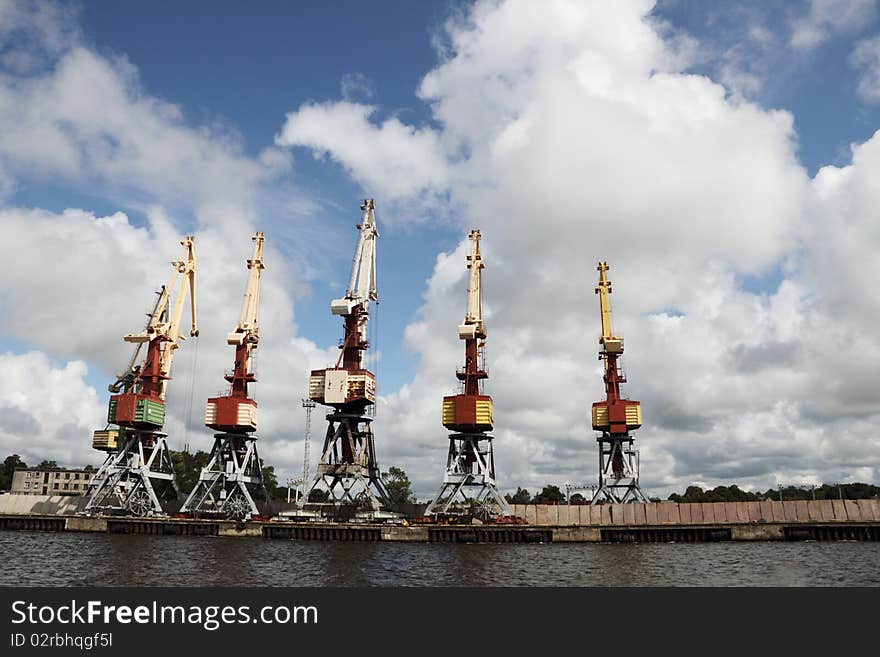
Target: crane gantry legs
<point>348,469</point>
<point>128,480</point>
<point>226,483</point>
<point>469,482</point>
<point>618,471</point>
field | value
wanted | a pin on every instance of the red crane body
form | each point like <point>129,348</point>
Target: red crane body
<point>615,416</point>
<point>236,412</point>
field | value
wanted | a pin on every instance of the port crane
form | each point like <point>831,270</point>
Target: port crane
<point>348,468</point>
<point>233,473</point>
<point>469,483</point>
<point>615,417</point>
<point>138,460</point>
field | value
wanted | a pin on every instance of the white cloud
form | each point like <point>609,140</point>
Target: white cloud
<point>586,142</point>
<point>393,159</point>
<point>86,118</point>
<point>826,18</point>
<point>865,57</point>
<point>357,86</point>
<point>47,411</point>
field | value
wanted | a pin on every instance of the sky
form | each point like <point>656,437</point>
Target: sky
<point>719,155</point>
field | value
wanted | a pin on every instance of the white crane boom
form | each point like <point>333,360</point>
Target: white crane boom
<point>167,325</point>
<point>362,285</point>
<point>249,323</point>
<point>473,319</point>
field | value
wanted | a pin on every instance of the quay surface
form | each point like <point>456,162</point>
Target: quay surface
<point>617,523</point>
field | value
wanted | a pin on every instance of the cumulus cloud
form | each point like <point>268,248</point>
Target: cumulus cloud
<point>393,159</point>
<point>569,133</point>
<point>47,411</point>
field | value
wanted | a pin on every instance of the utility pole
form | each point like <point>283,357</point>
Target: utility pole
<point>308,404</point>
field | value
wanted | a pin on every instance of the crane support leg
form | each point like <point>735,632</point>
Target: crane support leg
<point>127,480</point>
<point>348,469</point>
<point>469,483</point>
<point>227,484</point>
<point>618,470</point>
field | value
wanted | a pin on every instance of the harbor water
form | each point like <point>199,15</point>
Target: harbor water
<point>96,559</point>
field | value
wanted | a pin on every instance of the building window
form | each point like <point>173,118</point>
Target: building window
<point>67,475</point>
<point>55,486</point>
<point>75,487</point>
<point>27,485</point>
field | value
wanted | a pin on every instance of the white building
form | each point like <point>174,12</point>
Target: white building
<point>50,481</point>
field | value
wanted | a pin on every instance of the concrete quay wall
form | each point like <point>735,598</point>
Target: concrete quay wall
<point>705,513</point>
<point>655,522</point>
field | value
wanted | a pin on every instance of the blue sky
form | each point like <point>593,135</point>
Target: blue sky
<point>555,140</point>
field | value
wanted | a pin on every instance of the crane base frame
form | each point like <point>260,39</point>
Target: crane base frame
<point>623,486</point>
<point>226,483</point>
<point>355,480</point>
<point>124,482</point>
<point>461,479</point>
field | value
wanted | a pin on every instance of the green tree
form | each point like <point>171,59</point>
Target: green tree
<point>187,468</point>
<point>10,464</point>
<point>48,464</point>
<point>270,480</point>
<point>549,495</point>
<point>521,496</point>
<point>318,496</point>
<point>398,486</point>
<point>692,494</point>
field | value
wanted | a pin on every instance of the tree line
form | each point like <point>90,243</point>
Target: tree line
<point>854,491</point>
<point>188,466</point>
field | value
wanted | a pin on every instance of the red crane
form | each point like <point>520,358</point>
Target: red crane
<point>469,482</point>
<point>137,454</point>
<point>615,417</point>
<point>234,469</point>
